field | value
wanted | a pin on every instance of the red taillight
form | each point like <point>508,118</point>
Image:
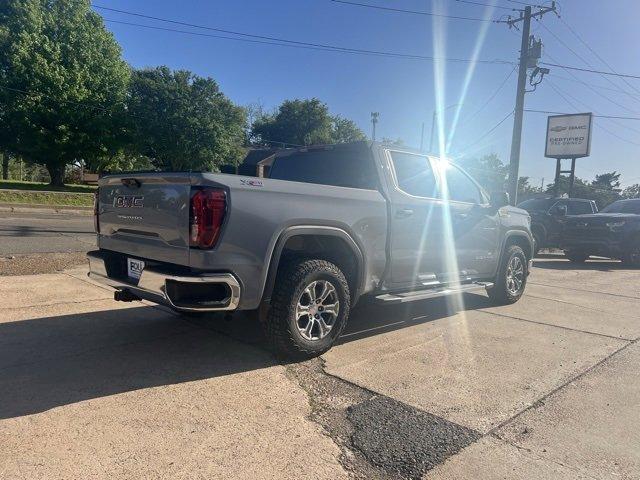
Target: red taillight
<point>208,206</point>
<point>96,211</point>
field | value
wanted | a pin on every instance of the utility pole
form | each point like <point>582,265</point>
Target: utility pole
<point>422,138</point>
<point>374,121</point>
<point>524,63</point>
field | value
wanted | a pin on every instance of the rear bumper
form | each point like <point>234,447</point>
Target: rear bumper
<point>153,286</point>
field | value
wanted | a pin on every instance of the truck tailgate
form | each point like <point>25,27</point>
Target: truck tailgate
<point>146,215</point>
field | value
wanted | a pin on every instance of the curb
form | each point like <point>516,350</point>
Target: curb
<point>60,209</point>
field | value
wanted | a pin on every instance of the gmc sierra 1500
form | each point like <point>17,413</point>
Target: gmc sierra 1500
<point>329,225</point>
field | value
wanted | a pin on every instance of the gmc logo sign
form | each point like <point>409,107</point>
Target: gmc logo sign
<point>128,201</point>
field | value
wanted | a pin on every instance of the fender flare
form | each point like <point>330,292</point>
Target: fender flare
<point>308,230</point>
<point>516,233</point>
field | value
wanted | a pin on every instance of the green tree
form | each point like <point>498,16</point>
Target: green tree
<point>398,142</point>
<point>632,191</point>
<point>62,83</point>
<point>344,130</point>
<point>488,171</point>
<point>182,121</point>
<point>304,122</point>
<point>526,190</point>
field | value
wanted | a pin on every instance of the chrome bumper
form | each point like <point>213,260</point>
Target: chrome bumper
<point>152,285</point>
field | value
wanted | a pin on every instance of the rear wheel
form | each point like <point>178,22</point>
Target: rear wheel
<point>309,309</point>
<point>511,278</point>
<point>576,257</point>
<point>632,257</point>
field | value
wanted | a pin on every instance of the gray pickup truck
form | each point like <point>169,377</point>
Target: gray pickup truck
<point>329,225</point>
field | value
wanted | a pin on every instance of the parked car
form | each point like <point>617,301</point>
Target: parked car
<point>548,216</point>
<point>331,225</point>
<point>613,233</point>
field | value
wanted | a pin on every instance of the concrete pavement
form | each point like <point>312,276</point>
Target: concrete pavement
<point>543,389</point>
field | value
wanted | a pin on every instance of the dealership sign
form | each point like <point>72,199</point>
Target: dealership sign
<point>568,136</point>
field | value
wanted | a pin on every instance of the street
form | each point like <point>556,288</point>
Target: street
<point>91,388</point>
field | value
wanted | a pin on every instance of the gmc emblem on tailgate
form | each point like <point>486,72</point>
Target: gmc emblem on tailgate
<point>128,201</point>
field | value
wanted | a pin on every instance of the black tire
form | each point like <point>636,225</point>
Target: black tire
<point>501,293</point>
<point>632,257</point>
<point>576,257</point>
<point>282,325</point>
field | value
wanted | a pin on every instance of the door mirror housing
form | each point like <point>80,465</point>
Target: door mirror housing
<point>499,199</point>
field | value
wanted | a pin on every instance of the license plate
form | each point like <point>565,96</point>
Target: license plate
<point>134,268</point>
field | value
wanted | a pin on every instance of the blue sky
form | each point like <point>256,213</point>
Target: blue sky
<point>403,90</point>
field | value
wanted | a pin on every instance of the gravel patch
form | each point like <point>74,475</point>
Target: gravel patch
<point>37,263</point>
<point>402,440</point>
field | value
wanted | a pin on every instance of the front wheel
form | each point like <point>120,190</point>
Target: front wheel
<point>511,278</point>
<point>309,309</point>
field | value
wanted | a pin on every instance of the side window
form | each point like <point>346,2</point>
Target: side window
<point>555,209</point>
<point>460,187</point>
<point>414,174</point>
<point>579,208</point>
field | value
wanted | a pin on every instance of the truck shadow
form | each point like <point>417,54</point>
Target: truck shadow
<point>54,361</point>
<point>561,263</point>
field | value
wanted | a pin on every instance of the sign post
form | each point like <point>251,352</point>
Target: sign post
<point>568,136</point>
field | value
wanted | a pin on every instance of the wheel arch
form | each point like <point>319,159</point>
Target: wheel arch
<point>330,243</point>
<point>520,238</point>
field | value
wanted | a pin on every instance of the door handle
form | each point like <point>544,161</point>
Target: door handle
<point>404,212</point>
<point>461,216</point>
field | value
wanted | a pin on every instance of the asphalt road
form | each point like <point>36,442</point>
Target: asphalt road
<point>28,233</point>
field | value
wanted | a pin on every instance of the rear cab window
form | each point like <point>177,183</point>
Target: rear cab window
<point>350,166</point>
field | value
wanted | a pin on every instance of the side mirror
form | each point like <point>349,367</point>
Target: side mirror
<point>499,199</point>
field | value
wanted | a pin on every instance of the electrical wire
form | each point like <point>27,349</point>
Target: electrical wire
<point>602,87</point>
<point>595,116</point>
<point>313,46</point>
<point>567,67</point>
<point>584,42</point>
<point>491,97</point>
<point>488,132</point>
<point>487,5</point>
<point>600,94</point>
<point>572,105</point>
<point>557,89</point>
<point>413,12</point>
<point>585,61</point>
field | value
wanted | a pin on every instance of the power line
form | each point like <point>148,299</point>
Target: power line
<point>572,105</point>
<point>493,95</point>
<point>596,116</point>
<point>486,5</point>
<point>559,91</point>
<point>586,62</point>
<point>579,37</point>
<point>566,67</point>
<point>489,132</point>
<point>600,94</point>
<point>313,46</point>
<point>413,12</point>
<point>602,87</point>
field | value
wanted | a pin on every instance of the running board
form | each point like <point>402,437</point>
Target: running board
<point>431,293</point>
